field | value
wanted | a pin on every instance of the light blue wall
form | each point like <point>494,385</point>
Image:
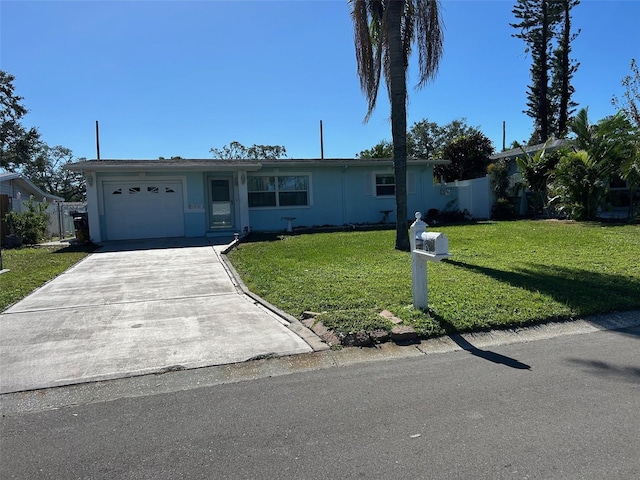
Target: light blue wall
<point>195,222</point>
<point>339,195</point>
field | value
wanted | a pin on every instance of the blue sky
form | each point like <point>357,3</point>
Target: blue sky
<point>168,78</point>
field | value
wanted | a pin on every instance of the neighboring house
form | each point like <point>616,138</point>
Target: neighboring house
<point>514,171</point>
<point>130,199</point>
<point>476,196</point>
<point>15,189</point>
<point>617,198</point>
<point>512,154</point>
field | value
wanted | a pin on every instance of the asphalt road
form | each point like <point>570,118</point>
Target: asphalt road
<point>559,408</point>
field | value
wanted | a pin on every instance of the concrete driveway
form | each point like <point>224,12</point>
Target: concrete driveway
<point>136,308</point>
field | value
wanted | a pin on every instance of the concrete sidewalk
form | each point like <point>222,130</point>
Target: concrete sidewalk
<point>134,308</point>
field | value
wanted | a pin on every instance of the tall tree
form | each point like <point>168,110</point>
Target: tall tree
<point>630,102</point>
<point>545,27</point>
<point>384,34</point>
<point>17,144</point>
<point>467,148</point>
<point>47,170</point>
<point>563,68</point>
<point>469,155</point>
<point>629,105</point>
<point>535,29</point>
<point>428,139</point>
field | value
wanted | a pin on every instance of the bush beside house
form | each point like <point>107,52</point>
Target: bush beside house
<point>28,226</point>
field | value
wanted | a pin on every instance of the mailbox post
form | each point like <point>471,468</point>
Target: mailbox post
<point>434,246</point>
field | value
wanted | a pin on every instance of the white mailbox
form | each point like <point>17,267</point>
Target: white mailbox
<point>425,247</point>
<point>435,242</point>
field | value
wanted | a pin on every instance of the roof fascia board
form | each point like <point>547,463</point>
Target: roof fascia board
<point>18,177</point>
<point>213,165</point>
<point>131,166</point>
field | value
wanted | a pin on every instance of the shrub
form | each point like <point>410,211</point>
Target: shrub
<point>499,177</point>
<point>503,209</point>
<point>30,224</point>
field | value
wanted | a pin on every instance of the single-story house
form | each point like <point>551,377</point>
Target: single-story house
<point>15,189</point>
<point>131,199</point>
<point>18,187</point>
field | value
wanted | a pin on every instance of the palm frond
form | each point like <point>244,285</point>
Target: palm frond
<point>367,40</point>
<point>429,33</point>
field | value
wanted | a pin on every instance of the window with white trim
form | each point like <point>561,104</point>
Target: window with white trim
<point>278,191</point>
<point>385,185</point>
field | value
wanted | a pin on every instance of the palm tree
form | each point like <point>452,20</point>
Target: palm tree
<point>602,150</point>
<point>384,33</point>
<point>630,171</point>
<point>535,170</point>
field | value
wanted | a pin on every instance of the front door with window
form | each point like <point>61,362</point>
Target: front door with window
<point>221,206</point>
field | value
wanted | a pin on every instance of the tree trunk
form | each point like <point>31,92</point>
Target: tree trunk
<point>563,115</point>
<point>543,110</point>
<point>398,99</point>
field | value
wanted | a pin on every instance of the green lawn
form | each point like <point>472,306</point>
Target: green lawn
<point>501,274</point>
<point>31,267</point>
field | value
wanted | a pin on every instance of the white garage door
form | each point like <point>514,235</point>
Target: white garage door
<point>144,209</point>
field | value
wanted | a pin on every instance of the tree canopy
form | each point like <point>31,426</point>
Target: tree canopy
<point>17,143</point>
<point>383,149</point>
<point>469,155</point>
<point>466,147</point>
<point>545,27</point>
<point>22,150</point>
<point>47,171</point>
<point>237,151</point>
<point>428,140</point>
<point>630,101</point>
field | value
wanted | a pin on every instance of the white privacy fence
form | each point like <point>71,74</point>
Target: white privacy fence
<point>61,218</point>
<point>475,196</point>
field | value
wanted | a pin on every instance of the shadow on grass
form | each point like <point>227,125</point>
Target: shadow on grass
<point>584,292</point>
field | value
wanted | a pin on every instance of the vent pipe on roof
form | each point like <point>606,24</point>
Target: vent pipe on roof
<point>97,141</point>
<point>504,135</point>
<point>321,143</point>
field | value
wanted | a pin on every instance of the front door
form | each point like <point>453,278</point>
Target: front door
<point>221,208</point>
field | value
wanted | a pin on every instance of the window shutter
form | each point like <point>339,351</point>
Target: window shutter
<point>411,183</point>
<point>368,184</point>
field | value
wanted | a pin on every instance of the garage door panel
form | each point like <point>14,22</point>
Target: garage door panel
<point>143,210</point>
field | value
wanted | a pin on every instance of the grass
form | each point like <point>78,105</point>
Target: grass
<point>501,274</point>
<point>31,267</point>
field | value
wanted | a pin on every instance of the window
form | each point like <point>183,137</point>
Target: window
<point>281,191</point>
<point>385,185</point>
<point>262,191</point>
